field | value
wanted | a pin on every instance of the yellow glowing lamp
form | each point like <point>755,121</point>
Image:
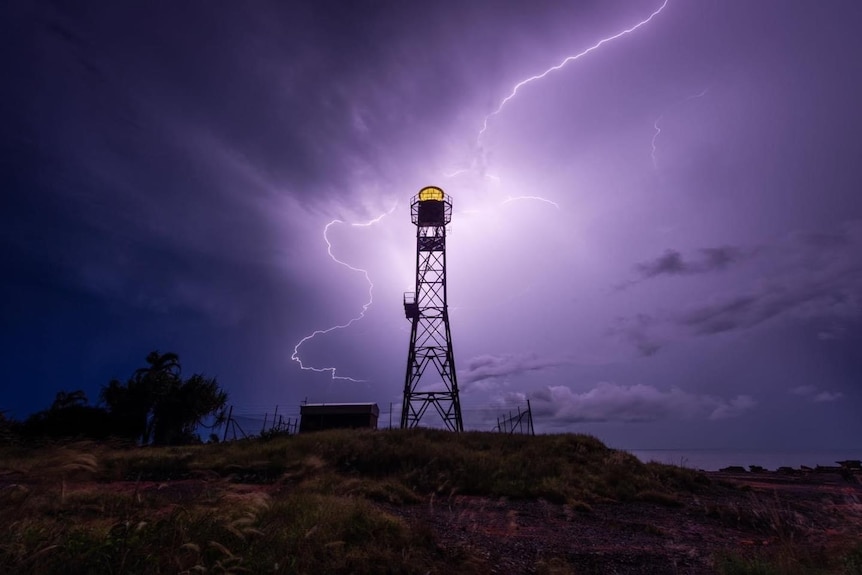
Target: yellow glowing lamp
<point>432,193</point>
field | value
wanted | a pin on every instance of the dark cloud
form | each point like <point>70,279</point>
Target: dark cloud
<point>826,297</point>
<point>734,313</point>
<point>672,263</point>
<point>206,139</point>
<point>637,331</point>
<point>482,369</point>
<point>813,276</point>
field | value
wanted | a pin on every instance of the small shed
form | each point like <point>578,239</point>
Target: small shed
<point>319,416</point>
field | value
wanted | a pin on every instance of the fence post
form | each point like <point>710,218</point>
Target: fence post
<point>227,423</point>
<point>273,417</point>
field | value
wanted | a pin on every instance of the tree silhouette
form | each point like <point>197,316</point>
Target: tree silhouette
<point>156,405</point>
<point>68,416</point>
<point>129,405</point>
<point>66,399</point>
<point>184,408</point>
<point>161,365</point>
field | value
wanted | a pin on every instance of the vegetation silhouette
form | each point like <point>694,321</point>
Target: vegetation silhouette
<point>68,416</point>
<point>155,406</point>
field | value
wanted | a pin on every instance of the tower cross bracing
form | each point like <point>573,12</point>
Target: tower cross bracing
<point>426,308</point>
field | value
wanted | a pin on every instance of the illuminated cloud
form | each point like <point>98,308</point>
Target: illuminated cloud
<point>815,394</point>
<point>826,396</point>
<point>609,402</point>
<point>479,370</point>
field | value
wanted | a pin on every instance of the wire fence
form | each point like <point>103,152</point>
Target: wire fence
<point>519,422</point>
<point>255,421</point>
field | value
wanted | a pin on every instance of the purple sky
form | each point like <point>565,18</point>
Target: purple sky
<point>693,277</point>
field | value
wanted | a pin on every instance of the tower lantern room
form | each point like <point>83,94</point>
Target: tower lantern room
<point>431,207</point>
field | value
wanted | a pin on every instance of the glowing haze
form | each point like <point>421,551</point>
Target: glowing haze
<point>657,228</point>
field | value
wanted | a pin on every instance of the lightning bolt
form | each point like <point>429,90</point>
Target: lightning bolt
<point>568,59</point>
<point>456,173</point>
<point>654,138</point>
<point>536,198</point>
<point>333,370</point>
<point>522,83</point>
<point>655,125</point>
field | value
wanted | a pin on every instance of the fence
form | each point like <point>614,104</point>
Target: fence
<point>253,421</point>
<point>244,425</point>
<point>520,422</point>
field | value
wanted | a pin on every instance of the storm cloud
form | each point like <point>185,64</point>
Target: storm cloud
<point>228,182</point>
<point>815,394</point>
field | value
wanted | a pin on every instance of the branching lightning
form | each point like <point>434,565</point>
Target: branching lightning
<point>700,94</point>
<point>333,370</point>
<point>568,59</point>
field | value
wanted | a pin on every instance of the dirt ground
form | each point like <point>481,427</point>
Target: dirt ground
<point>765,514</point>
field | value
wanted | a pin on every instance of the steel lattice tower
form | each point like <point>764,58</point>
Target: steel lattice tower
<point>430,338</point>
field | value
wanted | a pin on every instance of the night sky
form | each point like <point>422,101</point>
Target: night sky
<point>658,243</point>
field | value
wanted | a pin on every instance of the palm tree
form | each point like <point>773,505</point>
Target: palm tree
<point>177,415</point>
<point>156,404</point>
<point>152,384</point>
<point>161,364</point>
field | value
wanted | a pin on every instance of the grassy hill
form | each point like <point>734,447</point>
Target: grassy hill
<point>317,503</point>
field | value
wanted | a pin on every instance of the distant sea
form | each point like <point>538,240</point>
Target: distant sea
<point>715,459</point>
